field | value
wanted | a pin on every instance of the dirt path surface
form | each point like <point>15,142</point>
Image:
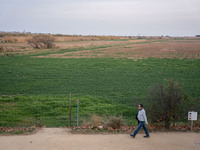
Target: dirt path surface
<point>62,139</point>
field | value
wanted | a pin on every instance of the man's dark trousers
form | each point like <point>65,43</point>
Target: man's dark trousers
<point>141,124</point>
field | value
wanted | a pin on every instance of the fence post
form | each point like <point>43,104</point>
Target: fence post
<point>36,114</point>
<point>77,111</point>
<point>70,110</point>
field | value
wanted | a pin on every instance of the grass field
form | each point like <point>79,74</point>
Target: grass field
<point>36,90</point>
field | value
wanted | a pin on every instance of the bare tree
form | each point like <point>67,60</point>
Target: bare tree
<point>41,41</point>
<point>165,103</point>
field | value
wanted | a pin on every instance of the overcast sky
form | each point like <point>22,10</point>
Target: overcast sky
<point>102,17</point>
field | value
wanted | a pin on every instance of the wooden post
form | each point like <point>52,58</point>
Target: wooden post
<point>70,110</point>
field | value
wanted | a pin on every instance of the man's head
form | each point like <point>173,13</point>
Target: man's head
<point>140,106</point>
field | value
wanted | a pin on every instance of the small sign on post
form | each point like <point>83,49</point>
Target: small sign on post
<point>192,116</point>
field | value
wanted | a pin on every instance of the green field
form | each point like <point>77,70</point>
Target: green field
<point>36,90</point>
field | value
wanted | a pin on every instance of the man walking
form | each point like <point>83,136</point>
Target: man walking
<point>142,120</point>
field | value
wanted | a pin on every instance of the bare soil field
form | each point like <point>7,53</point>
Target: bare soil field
<point>24,48</point>
<point>62,139</point>
<point>92,43</point>
<point>131,49</point>
<point>161,49</point>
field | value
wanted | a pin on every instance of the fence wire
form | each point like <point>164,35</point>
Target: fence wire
<point>24,111</point>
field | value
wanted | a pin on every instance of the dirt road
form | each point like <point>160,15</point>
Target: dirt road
<point>62,139</point>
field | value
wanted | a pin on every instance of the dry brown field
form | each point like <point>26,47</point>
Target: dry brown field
<point>135,49</point>
<point>109,47</point>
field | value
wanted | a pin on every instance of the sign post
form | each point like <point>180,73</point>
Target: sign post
<point>70,110</point>
<point>192,116</point>
<point>77,111</point>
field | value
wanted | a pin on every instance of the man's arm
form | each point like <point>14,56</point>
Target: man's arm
<point>145,117</point>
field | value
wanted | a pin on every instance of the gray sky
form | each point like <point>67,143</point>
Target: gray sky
<point>102,17</point>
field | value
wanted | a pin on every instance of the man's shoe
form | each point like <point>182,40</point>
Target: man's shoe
<point>132,135</point>
<point>146,136</point>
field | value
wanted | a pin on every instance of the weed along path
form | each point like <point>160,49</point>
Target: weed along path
<point>62,139</point>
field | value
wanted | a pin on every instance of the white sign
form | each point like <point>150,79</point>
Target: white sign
<point>192,115</point>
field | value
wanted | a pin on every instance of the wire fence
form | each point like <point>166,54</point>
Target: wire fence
<point>54,111</point>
